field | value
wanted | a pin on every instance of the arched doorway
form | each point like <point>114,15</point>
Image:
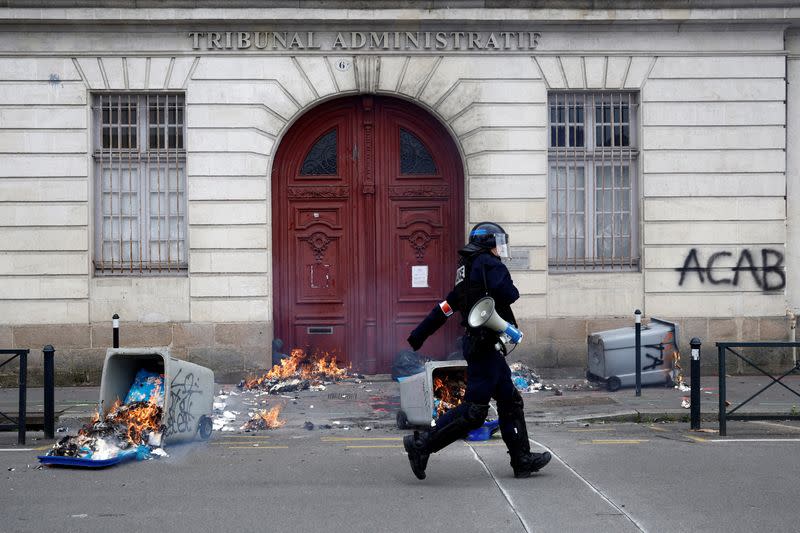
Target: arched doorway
<point>367,215</point>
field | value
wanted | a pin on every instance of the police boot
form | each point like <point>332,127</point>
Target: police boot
<point>515,435</point>
<point>454,425</point>
<point>526,464</point>
<point>416,446</point>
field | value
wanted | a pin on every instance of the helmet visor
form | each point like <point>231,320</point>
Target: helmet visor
<point>501,244</point>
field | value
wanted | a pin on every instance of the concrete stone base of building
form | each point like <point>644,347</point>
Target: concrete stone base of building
<point>234,350</point>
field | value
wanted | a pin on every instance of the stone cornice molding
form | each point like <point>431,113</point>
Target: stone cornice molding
<point>444,17</point>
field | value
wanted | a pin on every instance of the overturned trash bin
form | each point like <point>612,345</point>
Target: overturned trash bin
<point>188,389</point>
<point>612,355</point>
<point>418,393</point>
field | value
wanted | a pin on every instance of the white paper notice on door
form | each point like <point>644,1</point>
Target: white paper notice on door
<point>419,276</point>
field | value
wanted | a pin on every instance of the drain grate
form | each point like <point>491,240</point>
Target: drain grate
<point>342,396</point>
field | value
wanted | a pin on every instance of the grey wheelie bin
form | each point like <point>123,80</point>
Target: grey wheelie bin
<point>188,389</point>
<point>417,403</point>
<point>612,355</point>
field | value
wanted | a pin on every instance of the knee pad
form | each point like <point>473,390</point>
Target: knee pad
<point>476,414</point>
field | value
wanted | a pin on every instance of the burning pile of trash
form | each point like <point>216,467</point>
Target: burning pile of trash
<point>299,371</point>
<point>264,419</point>
<point>448,390</point>
<point>130,428</point>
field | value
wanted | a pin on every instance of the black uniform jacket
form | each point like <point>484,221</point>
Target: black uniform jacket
<point>488,276</point>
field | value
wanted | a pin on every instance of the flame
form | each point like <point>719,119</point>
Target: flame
<point>124,425</point>
<point>450,391</point>
<point>320,365</point>
<point>140,419</point>
<point>265,419</point>
<point>677,371</point>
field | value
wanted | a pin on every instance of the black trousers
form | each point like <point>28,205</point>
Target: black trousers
<point>488,376</point>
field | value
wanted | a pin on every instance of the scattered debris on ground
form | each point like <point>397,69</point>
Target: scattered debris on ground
<point>524,378</point>
<point>299,371</point>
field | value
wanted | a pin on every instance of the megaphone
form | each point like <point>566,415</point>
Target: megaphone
<point>483,314</point>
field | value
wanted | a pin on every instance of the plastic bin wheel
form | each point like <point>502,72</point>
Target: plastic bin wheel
<point>205,427</point>
<point>402,420</point>
<point>613,384</point>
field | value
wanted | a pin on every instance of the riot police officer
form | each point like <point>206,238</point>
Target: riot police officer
<point>480,273</point>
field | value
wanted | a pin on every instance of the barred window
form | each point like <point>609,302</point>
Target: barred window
<point>140,183</point>
<point>593,196</point>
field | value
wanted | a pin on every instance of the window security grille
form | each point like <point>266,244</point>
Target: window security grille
<point>140,183</point>
<point>593,208</point>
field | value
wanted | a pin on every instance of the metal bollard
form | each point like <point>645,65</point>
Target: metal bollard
<point>695,383</point>
<point>23,397</point>
<point>638,315</point>
<point>49,391</point>
<point>723,414</point>
<point>115,325</point>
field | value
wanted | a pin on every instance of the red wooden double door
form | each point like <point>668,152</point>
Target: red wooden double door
<point>367,201</point>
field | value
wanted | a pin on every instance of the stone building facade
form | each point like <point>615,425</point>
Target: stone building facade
<point>639,157</point>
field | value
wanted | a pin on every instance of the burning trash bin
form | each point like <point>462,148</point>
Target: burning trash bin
<point>612,355</point>
<point>146,399</point>
<point>431,393</point>
<point>188,389</point>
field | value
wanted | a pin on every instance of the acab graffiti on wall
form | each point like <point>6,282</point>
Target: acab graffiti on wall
<point>766,268</point>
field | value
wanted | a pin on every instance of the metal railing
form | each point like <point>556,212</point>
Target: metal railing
<point>724,413</point>
<point>21,420</point>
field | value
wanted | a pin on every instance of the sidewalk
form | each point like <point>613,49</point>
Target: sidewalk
<point>374,401</point>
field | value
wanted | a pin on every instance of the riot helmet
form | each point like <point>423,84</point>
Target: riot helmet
<point>485,236</point>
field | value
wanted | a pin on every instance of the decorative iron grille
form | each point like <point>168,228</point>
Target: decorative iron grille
<point>593,198</point>
<point>140,183</point>
<point>321,159</point>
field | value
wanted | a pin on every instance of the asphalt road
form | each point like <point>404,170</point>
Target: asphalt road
<point>604,477</point>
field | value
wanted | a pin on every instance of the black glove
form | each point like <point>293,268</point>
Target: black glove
<point>415,342</point>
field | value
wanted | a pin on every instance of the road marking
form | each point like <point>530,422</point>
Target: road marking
<point>245,437</point>
<point>656,428</point>
<point>592,487</point>
<point>234,443</point>
<point>696,439</point>
<point>373,446</point>
<point>506,495</point>
<point>616,441</point>
<point>364,439</point>
<point>16,449</point>
<point>590,429</point>
<point>776,424</point>
<point>753,440</point>
<point>485,445</point>
<point>258,447</point>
